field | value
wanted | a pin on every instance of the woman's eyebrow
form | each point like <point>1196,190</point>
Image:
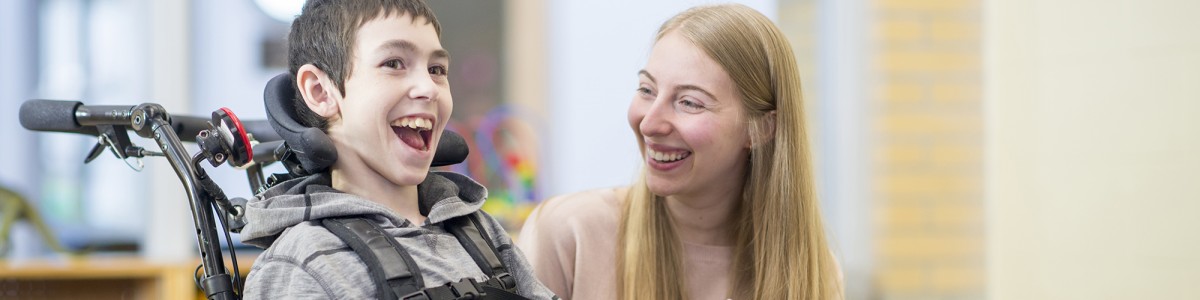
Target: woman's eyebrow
<point>647,74</point>
<point>687,87</point>
<point>680,88</point>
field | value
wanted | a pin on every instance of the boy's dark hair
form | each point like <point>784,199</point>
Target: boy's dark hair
<point>324,35</point>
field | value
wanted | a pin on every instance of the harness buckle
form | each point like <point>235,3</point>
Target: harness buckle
<point>418,295</point>
<point>504,280</point>
<point>466,289</point>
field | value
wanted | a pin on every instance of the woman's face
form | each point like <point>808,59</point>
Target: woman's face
<point>688,119</point>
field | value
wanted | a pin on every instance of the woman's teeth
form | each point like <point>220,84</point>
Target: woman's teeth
<point>666,157</point>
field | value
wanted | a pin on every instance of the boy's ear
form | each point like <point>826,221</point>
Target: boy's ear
<point>318,91</point>
<point>767,132</point>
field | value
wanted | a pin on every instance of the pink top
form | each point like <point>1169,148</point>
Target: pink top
<point>571,242</point>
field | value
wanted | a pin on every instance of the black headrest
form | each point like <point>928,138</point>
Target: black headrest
<point>313,147</point>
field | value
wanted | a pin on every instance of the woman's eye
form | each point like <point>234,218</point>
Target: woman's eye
<point>690,106</point>
<point>438,70</point>
<point>394,64</point>
<point>645,91</point>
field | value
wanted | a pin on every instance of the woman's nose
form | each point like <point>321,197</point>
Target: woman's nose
<point>657,121</point>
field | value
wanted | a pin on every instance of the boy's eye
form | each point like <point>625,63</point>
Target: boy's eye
<point>394,64</point>
<point>438,70</point>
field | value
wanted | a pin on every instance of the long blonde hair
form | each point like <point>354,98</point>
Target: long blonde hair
<point>780,251</point>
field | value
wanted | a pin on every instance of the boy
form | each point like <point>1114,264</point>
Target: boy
<point>372,75</point>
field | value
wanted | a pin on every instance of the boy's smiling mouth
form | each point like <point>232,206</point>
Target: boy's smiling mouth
<point>414,131</point>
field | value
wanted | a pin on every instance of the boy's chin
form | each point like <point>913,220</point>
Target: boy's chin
<point>409,177</point>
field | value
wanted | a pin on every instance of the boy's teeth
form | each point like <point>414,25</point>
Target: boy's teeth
<point>415,123</point>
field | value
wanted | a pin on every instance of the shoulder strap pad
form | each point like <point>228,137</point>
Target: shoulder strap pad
<point>390,267</point>
<point>472,236</point>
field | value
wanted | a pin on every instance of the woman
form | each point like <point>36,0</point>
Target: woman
<point>725,206</point>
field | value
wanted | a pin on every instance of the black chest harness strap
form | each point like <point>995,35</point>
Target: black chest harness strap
<point>397,276</point>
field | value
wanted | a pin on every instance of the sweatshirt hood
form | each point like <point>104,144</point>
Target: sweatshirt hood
<point>443,195</point>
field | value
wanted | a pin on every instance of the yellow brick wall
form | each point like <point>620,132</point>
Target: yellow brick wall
<point>927,135</point>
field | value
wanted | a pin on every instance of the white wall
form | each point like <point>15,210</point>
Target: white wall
<point>839,131</point>
<point>227,70</point>
<point>227,64</point>
<point>1093,149</point>
<point>596,49</point>
<point>170,231</point>
<point>17,48</point>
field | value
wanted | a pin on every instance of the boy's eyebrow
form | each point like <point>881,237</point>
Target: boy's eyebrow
<point>407,46</point>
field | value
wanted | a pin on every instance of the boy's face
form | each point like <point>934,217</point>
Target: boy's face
<point>397,99</point>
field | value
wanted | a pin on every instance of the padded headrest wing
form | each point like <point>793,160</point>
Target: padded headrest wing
<point>312,146</point>
<point>452,149</point>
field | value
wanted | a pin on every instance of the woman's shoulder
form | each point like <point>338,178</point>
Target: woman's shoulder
<point>567,228</point>
<point>569,213</point>
<point>591,203</point>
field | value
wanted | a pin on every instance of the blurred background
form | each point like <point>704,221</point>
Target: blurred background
<point>966,149</point>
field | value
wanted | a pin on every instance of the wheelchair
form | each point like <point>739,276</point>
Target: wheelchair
<point>223,139</point>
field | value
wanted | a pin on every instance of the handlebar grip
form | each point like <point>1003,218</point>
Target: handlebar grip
<point>53,116</point>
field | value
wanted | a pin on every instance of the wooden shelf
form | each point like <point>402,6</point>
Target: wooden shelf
<point>125,277</point>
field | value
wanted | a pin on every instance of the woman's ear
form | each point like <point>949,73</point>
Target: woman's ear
<point>766,130</point>
<point>318,91</point>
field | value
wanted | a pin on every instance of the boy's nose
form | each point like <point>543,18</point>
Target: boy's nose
<point>423,88</point>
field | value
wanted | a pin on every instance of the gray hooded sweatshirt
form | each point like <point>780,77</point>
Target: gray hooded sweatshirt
<point>303,260</point>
